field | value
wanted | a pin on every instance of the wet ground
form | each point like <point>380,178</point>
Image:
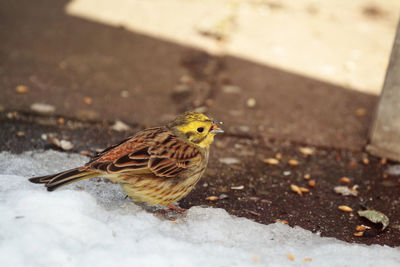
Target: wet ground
<point>245,185</point>
<point>92,75</point>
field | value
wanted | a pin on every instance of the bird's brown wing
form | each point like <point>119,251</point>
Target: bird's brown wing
<point>155,151</point>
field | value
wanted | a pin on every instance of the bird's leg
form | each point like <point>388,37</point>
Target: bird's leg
<point>172,207</point>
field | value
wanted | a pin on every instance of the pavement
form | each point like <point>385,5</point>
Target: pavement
<point>92,74</point>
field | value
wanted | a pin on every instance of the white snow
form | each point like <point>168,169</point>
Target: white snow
<point>91,224</point>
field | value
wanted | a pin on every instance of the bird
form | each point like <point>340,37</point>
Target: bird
<point>156,166</point>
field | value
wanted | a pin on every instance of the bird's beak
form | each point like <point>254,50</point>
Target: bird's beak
<point>215,129</point>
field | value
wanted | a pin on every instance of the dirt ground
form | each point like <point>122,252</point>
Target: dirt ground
<point>246,186</point>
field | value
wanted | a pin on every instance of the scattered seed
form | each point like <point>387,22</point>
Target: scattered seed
<point>307,176</point>
<point>296,189</point>
<point>345,180</point>
<point>60,121</point>
<point>251,102</point>
<point>278,156</point>
<point>385,176</point>
<point>307,259</point>
<point>21,89</point>
<point>212,198</point>
<point>345,208</point>
<point>358,234</point>
<point>375,217</point>
<point>239,187</point>
<point>353,164</point>
<point>43,136</point>
<point>293,163</point>
<point>256,259</point>
<point>87,100</point>
<point>281,221</point>
<point>174,222</point>
<point>20,134</point>
<point>271,161</point>
<point>304,190</point>
<point>254,198</point>
<point>383,161</point>
<point>365,161</point>
<point>306,151</point>
<point>361,112</point>
<point>290,256</point>
<point>311,183</point>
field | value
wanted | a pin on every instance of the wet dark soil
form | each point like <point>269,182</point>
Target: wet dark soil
<point>245,184</point>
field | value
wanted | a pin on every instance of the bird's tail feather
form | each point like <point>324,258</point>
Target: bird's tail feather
<point>57,180</point>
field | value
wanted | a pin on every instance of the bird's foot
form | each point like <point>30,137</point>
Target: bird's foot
<point>172,207</point>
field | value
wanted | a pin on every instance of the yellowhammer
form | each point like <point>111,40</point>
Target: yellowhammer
<point>157,166</point>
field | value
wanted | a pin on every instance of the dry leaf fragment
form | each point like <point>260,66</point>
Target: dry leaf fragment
<point>375,217</point>
<point>120,126</point>
<point>293,162</point>
<point>362,228</point>
<point>296,189</point>
<point>345,191</point>
<point>212,198</point>
<point>281,221</point>
<point>290,256</point>
<point>345,180</point>
<point>271,161</point>
<point>345,208</point>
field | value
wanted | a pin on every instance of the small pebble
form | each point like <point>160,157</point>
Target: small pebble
<point>87,100</point>
<point>251,102</point>
<point>120,126</point>
<point>20,134</point>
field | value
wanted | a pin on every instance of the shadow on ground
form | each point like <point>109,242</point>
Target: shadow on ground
<point>63,59</point>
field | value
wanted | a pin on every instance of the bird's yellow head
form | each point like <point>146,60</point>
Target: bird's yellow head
<point>196,128</point>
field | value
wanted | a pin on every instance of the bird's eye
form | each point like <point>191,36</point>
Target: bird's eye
<point>200,129</point>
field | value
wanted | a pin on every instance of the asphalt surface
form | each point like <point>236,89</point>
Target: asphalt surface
<point>93,74</point>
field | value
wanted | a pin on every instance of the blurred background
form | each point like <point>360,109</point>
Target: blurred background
<point>307,71</point>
